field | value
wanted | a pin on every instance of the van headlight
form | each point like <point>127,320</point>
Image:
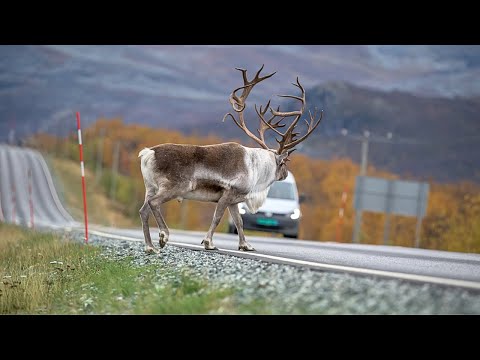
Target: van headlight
<point>295,215</point>
<point>241,209</point>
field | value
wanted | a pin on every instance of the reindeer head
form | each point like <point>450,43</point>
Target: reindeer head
<point>288,139</point>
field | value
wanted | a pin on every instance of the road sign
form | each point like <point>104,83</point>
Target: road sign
<point>400,197</point>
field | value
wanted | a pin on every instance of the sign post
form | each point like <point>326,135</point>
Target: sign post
<point>422,193</point>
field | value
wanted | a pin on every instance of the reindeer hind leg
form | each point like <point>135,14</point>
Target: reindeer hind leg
<point>144,216</point>
<point>162,196</point>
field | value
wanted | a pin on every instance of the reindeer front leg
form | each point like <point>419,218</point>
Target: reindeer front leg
<point>222,205</point>
<point>237,219</point>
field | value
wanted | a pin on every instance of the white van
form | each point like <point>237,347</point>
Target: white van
<point>280,213</point>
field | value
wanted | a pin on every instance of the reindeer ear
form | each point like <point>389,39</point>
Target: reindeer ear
<point>281,158</point>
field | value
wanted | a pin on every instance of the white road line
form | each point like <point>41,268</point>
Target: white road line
<point>53,191</point>
<point>319,266</point>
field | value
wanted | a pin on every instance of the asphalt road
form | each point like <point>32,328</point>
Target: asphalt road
<point>335,256</point>
<point>449,268</point>
<point>15,163</point>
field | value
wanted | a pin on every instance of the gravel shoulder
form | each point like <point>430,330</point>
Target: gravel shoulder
<point>267,288</point>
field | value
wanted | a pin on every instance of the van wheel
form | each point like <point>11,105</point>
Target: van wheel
<point>294,236</point>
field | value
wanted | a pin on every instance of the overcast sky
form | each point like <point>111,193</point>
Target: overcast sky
<point>445,70</point>
<point>206,71</point>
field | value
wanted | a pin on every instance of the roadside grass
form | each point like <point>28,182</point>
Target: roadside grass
<point>117,287</point>
<point>34,268</point>
<point>101,209</point>
<point>43,273</point>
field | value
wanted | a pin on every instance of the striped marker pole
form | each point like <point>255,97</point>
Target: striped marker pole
<point>82,168</point>
<point>341,212</point>
<point>30,198</point>
<point>14,201</point>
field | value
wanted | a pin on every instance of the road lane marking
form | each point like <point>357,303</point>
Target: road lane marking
<point>318,266</point>
<point>53,191</point>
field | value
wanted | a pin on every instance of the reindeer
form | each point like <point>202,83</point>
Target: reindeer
<point>226,173</point>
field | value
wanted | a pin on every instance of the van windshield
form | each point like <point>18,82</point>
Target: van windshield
<point>281,190</point>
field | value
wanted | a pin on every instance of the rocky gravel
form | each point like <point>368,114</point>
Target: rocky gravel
<point>286,289</point>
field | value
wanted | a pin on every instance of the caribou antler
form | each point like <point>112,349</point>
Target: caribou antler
<point>238,103</point>
<point>288,139</point>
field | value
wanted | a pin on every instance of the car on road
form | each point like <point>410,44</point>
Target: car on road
<point>280,213</point>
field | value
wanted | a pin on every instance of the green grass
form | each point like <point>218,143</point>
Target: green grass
<point>116,287</point>
<point>42,273</point>
<point>35,268</point>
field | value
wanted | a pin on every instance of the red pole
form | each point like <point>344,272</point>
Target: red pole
<point>341,212</point>
<point>82,168</point>
<point>14,201</point>
<point>32,224</point>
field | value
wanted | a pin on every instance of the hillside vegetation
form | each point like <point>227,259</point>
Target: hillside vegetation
<point>433,137</point>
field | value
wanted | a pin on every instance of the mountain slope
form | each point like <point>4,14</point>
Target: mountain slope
<point>187,88</point>
<point>432,137</point>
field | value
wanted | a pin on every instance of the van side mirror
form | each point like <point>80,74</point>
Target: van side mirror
<point>302,198</point>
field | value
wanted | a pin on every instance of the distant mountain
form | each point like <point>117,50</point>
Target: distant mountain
<point>41,88</point>
<point>431,137</point>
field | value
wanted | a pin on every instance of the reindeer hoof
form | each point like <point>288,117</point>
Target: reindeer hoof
<point>208,245</point>
<point>151,250</point>
<point>163,239</point>
<point>246,247</point>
